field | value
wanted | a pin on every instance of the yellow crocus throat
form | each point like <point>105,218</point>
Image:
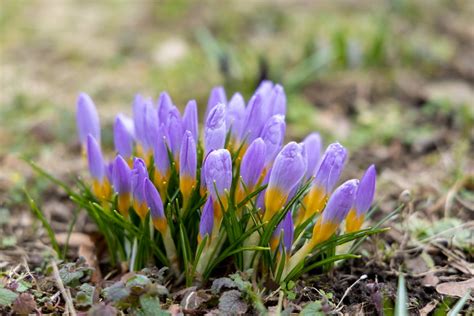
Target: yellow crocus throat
<point>160,224</point>
<point>274,243</point>
<point>313,203</point>
<point>354,222</point>
<point>141,209</point>
<point>123,204</point>
<point>161,181</point>
<point>275,199</point>
<point>322,231</point>
<point>186,185</point>
<point>101,190</point>
<point>146,155</point>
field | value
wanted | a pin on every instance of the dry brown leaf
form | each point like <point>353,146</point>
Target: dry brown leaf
<point>428,308</point>
<point>455,288</point>
<point>430,280</point>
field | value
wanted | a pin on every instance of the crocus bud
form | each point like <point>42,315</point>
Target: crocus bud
<point>138,176</point>
<point>363,200</point>
<point>215,130</point>
<point>164,106</point>
<point>235,117</point>
<point>121,179</point>
<point>251,168</point>
<point>162,161</point>
<point>218,176</point>
<point>273,134</point>
<point>285,228</point>
<point>207,220</point>
<point>154,202</point>
<point>312,144</point>
<point>100,183</point>
<point>264,87</point>
<point>190,119</point>
<point>187,166</point>
<point>123,136</point>
<point>329,171</point>
<point>335,212</point>
<point>288,169</point>
<point>175,132</point>
<point>87,119</point>
<point>217,96</point>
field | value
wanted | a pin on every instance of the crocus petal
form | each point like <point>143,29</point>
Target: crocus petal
<point>160,151</point>
<point>190,119</point>
<point>95,159</point>
<point>255,118</point>
<point>278,100</point>
<point>273,134</point>
<point>312,144</point>
<point>215,130</point>
<point>288,170</point>
<point>217,96</point>
<point>286,228</point>
<point>164,106</point>
<point>366,191</point>
<point>121,176</point>
<point>87,119</point>
<point>218,173</point>
<point>139,118</point>
<point>150,124</point>
<point>139,173</point>
<point>235,115</point>
<point>123,138</point>
<point>207,220</point>
<point>153,200</point>
<point>175,130</point>
<point>252,163</point>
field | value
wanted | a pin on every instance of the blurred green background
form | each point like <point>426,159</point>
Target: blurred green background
<point>391,80</point>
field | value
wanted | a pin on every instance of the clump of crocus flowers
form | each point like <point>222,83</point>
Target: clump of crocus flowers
<point>190,196</point>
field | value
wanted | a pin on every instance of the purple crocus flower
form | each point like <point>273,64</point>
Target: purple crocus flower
<point>235,117</point>
<point>313,145</point>
<point>190,119</point>
<point>121,179</point>
<point>288,170</point>
<point>217,96</point>
<point>260,202</point>
<point>215,130</point>
<point>164,106</point>
<point>207,220</point>
<point>187,165</point>
<point>363,200</point>
<point>123,136</point>
<point>251,167</point>
<point>175,132</point>
<point>329,171</point>
<point>335,211</point>
<point>87,119</point>
<point>138,175</point>
<point>154,202</point>
<point>161,158</point>
<point>264,87</point>
<point>286,228</point>
<point>218,175</point>
<point>273,134</point>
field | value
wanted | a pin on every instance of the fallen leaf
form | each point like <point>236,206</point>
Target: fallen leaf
<point>428,308</point>
<point>455,288</point>
<point>231,303</point>
<point>24,304</point>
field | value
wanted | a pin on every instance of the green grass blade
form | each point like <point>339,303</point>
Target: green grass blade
<point>401,303</point>
<point>456,310</point>
<point>44,221</point>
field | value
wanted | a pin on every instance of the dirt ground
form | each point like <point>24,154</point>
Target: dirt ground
<point>393,81</point>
